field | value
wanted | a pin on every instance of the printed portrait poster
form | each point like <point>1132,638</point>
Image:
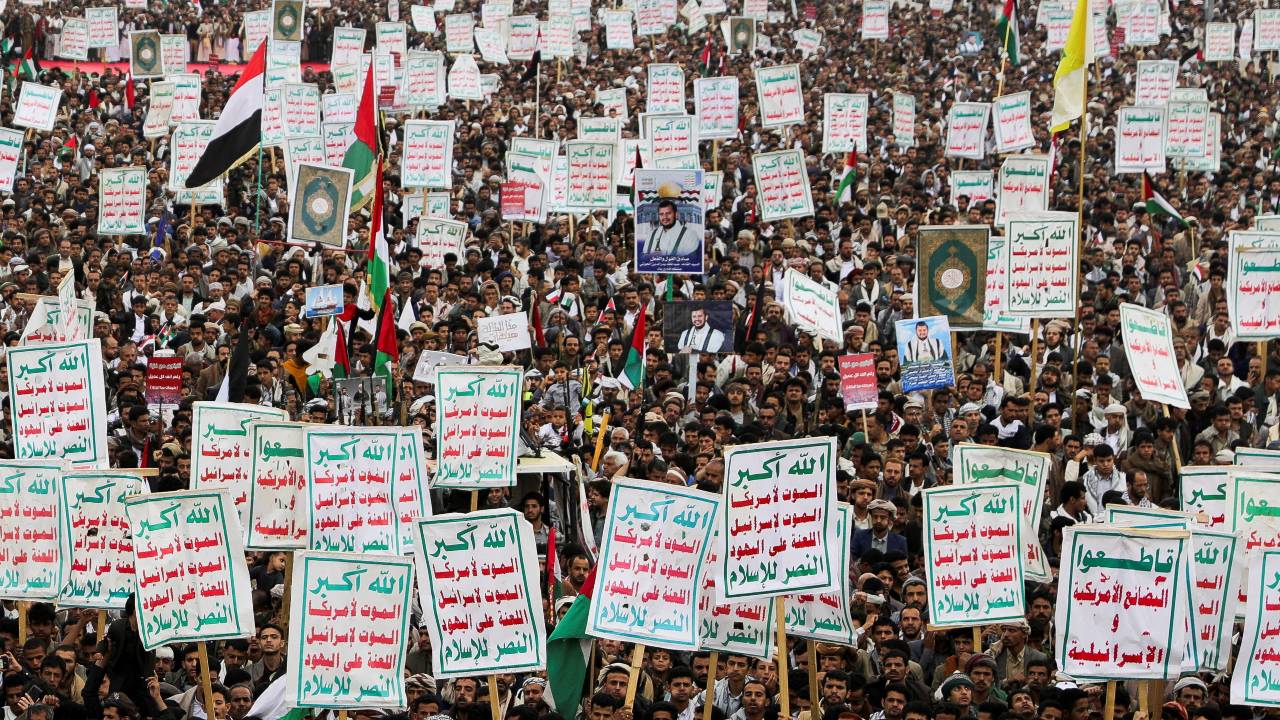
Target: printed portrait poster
<point>701,326</point>
<point>321,203</point>
<point>653,551</point>
<point>952,277</point>
<point>924,349</point>
<point>669,221</point>
<point>480,593</point>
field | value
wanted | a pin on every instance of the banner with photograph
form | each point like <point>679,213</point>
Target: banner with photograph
<point>924,346</point>
<point>669,221</point>
<point>698,326</point>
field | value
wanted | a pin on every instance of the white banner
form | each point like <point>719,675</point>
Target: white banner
<point>715,100</point>
<point>1140,140</point>
<point>1148,346</point>
<point>427,156</point>
<point>780,95</point>
<point>967,130</point>
<point>813,307</point>
<point>844,122</point>
<point>122,201</point>
<point>1023,186</point>
<point>783,184</point>
<point>1012,122</point>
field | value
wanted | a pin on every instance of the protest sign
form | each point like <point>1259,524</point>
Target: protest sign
<point>591,175</point>
<point>904,119</point>
<point>1219,41</point>
<point>278,475</point>
<point>977,185</point>
<point>1253,276</point>
<point>1155,80</point>
<point>104,26</point>
<point>711,192</point>
<point>46,325</point>
<point>952,279</point>
<point>973,545</point>
<point>1256,677</point>
<point>146,61</point>
<point>813,307</point>
<point>429,360</point>
<point>173,52</point>
<point>1119,590</point>
<point>10,151</point>
<point>980,464</point>
<point>715,101</point>
<point>30,531</point>
<point>668,135</point>
<point>425,83</point>
<point>1140,20</point>
<point>858,381</point>
<point>337,137</point>
<point>284,60</point>
<point>522,37</point>
<point>807,41</point>
<point>321,201</point>
<point>1012,122</point>
<point>1187,123</point>
<point>967,130</point>
<point>37,106</point>
<point>186,97</point>
<point>844,122</point>
<point>95,543</point>
<point>391,38</point>
<point>463,79</point>
<point>287,20</point>
<point>424,19</point>
<point>73,42</point>
<point>598,129</point>
<point>875,20</point>
<point>189,563</point>
<point>411,490</point>
<point>1215,595</point>
<point>459,33</point>
<point>1255,504</point>
<point>490,45</point>
<point>436,238</point>
<point>1258,459</point>
<point>427,154</point>
<point>257,24</point>
<point>1023,186</point>
<point>825,617</point>
<point>436,204</point>
<point>300,107</point>
<point>159,110</point>
<point>669,221</point>
<point>654,17</point>
<point>664,89</point>
<point>741,627</point>
<point>617,30</point>
<point>348,45</point>
<point>122,201</point>
<point>221,448</point>
<point>1042,279</point>
<point>188,142</point>
<point>479,425</point>
<point>58,402</point>
<point>480,621</point>
<point>1212,159</point>
<point>649,579</point>
<point>556,39</point>
<point>1266,29</point>
<point>297,151</point>
<point>767,482</point>
<point>508,332</point>
<point>350,506</point>
<point>348,630</point>
<point>1203,493</point>
<point>993,315</point>
<point>780,95</point>
<point>1148,346</point>
<point>924,344</point>
<point>783,185</point>
<point>164,380</point>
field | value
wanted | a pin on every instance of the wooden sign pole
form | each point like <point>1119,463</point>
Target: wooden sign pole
<point>710,696</point>
<point>784,684</point>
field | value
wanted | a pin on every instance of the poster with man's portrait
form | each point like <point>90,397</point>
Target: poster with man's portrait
<point>669,221</point>
<point>701,326</point>
<point>924,351</point>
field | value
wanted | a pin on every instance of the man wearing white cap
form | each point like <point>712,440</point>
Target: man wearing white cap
<point>1116,433</point>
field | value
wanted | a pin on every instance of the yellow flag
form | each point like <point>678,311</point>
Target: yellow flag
<point>1069,81</point>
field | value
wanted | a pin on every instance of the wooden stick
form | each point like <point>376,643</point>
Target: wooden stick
<point>288,591</point>
<point>101,627</point>
<point>866,429</point>
<point>633,680</point>
<point>475,500</point>
<point>999,358</point>
<point>206,679</point>
<point>715,157</point>
<point>604,428</point>
<point>784,685</point>
<point>1156,690</point>
<point>342,715</point>
<point>1262,355</point>
<point>1035,354</point>
<point>1109,709</point>
<point>1177,455</point>
<point>815,692</point>
<point>710,696</point>
<point>24,607</point>
<point>977,639</point>
<point>495,707</point>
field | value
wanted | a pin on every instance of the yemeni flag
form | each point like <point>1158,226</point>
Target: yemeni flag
<point>1007,29</point>
<point>1156,204</point>
<point>704,58</point>
<point>388,349</point>
<point>362,156</point>
<point>850,175</point>
<point>239,127</point>
<point>631,375</point>
<point>379,267</point>
<point>569,653</point>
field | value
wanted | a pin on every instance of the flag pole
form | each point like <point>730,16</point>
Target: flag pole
<point>1004,50</point>
<point>784,683</point>
<point>1075,360</point>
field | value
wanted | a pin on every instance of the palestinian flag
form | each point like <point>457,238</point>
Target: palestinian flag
<point>850,176</point>
<point>239,128</point>
<point>388,348</point>
<point>130,94</point>
<point>631,375</point>
<point>1156,204</point>
<point>1007,29</point>
<point>704,58</point>
<point>379,267</point>
<point>362,156</point>
<point>569,653</point>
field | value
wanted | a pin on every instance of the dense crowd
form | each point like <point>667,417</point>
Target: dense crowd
<point>187,286</point>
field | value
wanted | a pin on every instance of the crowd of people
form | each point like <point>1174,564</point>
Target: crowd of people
<point>200,274</point>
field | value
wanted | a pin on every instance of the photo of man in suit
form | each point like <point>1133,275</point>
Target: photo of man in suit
<point>700,337</point>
